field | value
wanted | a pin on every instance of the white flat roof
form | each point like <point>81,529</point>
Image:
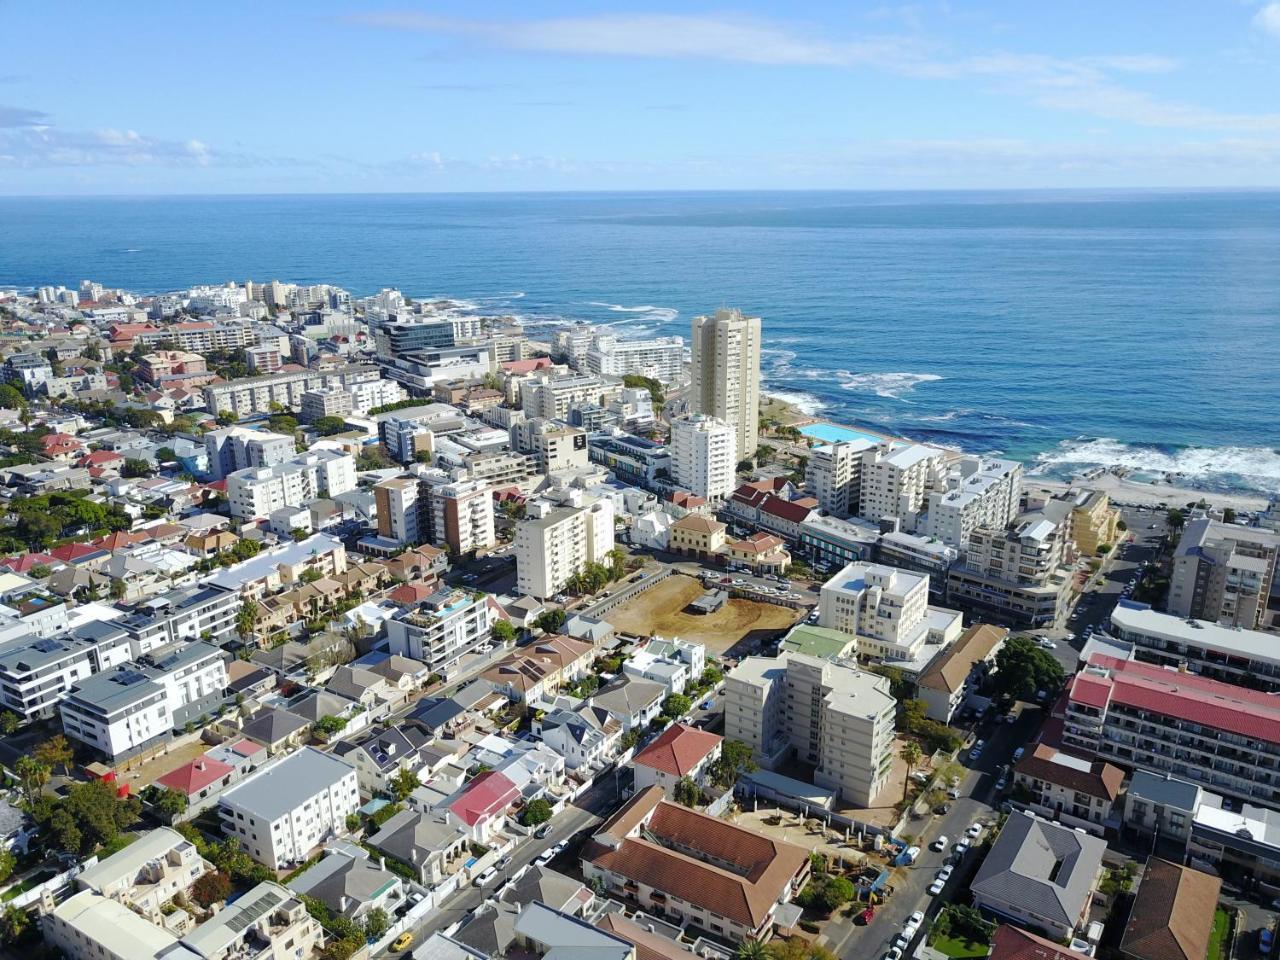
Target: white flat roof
<point>120,931</point>
<point>1200,633</point>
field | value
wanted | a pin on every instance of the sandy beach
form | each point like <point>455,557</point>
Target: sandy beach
<point>1150,494</point>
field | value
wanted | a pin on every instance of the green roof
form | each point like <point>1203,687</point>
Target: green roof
<point>816,641</point>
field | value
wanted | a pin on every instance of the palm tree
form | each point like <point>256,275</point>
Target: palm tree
<point>751,950</point>
<point>910,755</point>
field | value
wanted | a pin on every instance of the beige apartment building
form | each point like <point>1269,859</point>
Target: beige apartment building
<point>726,374</point>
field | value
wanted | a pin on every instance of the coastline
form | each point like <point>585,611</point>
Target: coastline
<point>1121,491</point>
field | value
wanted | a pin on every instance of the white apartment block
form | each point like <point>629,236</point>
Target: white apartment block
<point>888,610</point>
<point>288,808</point>
<point>239,448</point>
<point>726,374</point>
<point>123,711</point>
<point>325,402</point>
<point>661,358</point>
<point>1224,573</point>
<point>896,480</point>
<point>554,542</point>
<point>294,483</point>
<point>458,513</point>
<point>37,672</point>
<point>368,395</point>
<point>824,712</point>
<point>833,476</point>
<point>553,397</point>
<point>704,456</point>
<point>571,345</point>
<point>554,446</point>
<point>441,629</point>
<point>980,492</point>
<point>256,394</point>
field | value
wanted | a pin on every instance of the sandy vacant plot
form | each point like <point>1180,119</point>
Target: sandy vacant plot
<point>661,610</point>
<point>139,774</point>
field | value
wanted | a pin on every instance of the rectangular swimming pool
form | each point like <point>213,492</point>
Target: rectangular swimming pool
<point>830,433</point>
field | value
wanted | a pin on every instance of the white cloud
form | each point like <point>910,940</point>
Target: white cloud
<point>737,39</point>
<point>1267,19</point>
<point>43,145</point>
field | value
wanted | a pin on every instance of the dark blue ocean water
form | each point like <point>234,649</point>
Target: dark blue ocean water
<point>1068,329</point>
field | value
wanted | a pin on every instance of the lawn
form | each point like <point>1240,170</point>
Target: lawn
<point>954,947</point>
<point>23,886</point>
<point>1218,935</point>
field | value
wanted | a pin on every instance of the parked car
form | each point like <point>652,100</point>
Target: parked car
<point>942,808</point>
<point>939,844</point>
<point>543,831</point>
<point>1002,782</point>
<point>1047,644</point>
<point>866,916</point>
<point>960,847</point>
<point>915,919</point>
<point>486,879</point>
<point>945,873</point>
<point>935,888</point>
<point>1019,754</point>
<point>402,942</point>
<point>974,831</point>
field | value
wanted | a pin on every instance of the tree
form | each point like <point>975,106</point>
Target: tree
<point>404,783</point>
<point>676,705</point>
<point>629,739</point>
<point>247,617</point>
<point>1022,669</point>
<point>328,426</point>
<point>11,397</point>
<point>39,571</point>
<point>328,725</point>
<point>376,923</point>
<point>225,418</point>
<point>1121,526</point>
<point>910,754</point>
<point>166,455</point>
<point>134,467</point>
<point>536,812</point>
<point>503,632</point>
<point>118,588</point>
<point>298,534</point>
<point>32,776</point>
<point>654,387</point>
<point>550,621</point>
<point>1176,519</point>
<point>311,575</point>
<point>169,802</point>
<point>422,456</point>
<point>751,950</point>
<point>836,892</point>
<point>687,792</point>
<point>7,864</point>
<point>9,722</point>
<point>735,757</point>
<point>1228,515</point>
<point>212,887</point>
<point>56,752</point>
<point>15,924</point>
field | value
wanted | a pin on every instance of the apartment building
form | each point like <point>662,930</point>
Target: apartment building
<point>412,430</point>
<point>1224,573</point>
<point>264,359</point>
<point>726,374</point>
<point>124,711</point>
<point>889,612</point>
<point>572,343</point>
<point>1070,790</point>
<point>398,338</point>
<point>37,672</point>
<point>833,476</point>
<point>1248,658</point>
<point>1144,717</point>
<point>661,358</point>
<point>370,394</point>
<point>1094,522</point>
<point>332,401</point>
<point>896,480</point>
<point>455,513</point>
<point>256,394</point>
<point>824,712</point>
<point>260,491</point>
<point>1019,572</point>
<point>239,448</point>
<point>959,670</point>
<point>399,510</point>
<point>553,397</point>
<point>190,613</point>
<point>288,808</point>
<point>441,629</point>
<point>704,456</point>
<point>420,372</point>
<point>553,446</point>
<point>555,541</point>
<point>685,866</point>
<point>977,492</point>
<point>166,369</point>
<point>634,460</point>
<point>283,566</point>
<point>149,873</point>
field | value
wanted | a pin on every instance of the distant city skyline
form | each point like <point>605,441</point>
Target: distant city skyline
<point>335,97</point>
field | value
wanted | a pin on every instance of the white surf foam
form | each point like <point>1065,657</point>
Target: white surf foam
<point>804,402</point>
<point>890,385</point>
<point>1256,467</point>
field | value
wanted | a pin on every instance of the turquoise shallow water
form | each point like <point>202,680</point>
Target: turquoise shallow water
<point>1068,329</point>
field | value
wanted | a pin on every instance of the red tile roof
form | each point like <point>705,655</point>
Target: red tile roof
<point>526,366</point>
<point>793,511</point>
<point>1013,943</point>
<point>57,443</point>
<point>678,751</point>
<point>488,794</point>
<point>24,563</point>
<point>121,538</point>
<point>71,552</point>
<point>247,748</point>
<point>191,778</point>
<point>683,498</point>
<point>410,593</point>
<point>1185,696</point>
<point>99,458</point>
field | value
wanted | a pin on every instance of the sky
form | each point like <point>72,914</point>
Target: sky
<point>333,97</point>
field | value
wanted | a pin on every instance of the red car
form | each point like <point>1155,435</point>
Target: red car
<point>866,916</point>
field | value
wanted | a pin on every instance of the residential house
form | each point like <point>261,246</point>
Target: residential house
<point>380,755</point>
<point>428,842</point>
<point>1172,917</point>
<point>586,736</point>
<point>480,807</point>
<point>277,730</point>
<point>351,884</point>
<point>633,703</point>
<point>681,751</point>
<point>959,670</point>
<point>530,673</point>
<point>1071,790</point>
<point>1014,943</point>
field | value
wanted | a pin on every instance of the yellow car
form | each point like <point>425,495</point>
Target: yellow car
<point>402,942</point>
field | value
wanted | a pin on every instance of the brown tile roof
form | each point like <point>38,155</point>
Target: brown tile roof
<point>649,945</point>
<point>528,665</point>
<point>1172,915</point>
<point>1014,943</point>
<point>949,671</point>
<point>1101,779</point>
<point>678,750</point>
<point>697,523</point>
<point>761,867</point>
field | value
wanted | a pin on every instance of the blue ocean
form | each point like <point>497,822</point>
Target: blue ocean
<point>1069,329</point>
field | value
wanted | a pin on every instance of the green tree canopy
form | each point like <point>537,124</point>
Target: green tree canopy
<point>1022,669</point>
<point>537,811</point>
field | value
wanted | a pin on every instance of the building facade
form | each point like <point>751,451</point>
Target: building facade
<point>726,374</point>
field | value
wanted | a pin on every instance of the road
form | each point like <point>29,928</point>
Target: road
<point>977,804</point>
<point>575,821</point>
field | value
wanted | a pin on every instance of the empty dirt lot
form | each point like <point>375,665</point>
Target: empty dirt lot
<point>661,611</point>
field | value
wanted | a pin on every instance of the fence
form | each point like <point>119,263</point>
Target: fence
<point>626,592</point>
<point>35,894</point>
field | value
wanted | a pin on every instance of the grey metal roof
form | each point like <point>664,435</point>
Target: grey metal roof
<point>1043,868</point>
<point>270,725</point>
<point>1164,790</point>
<point>628,695</point>
<point>339,875</point>
<point>279,787</point>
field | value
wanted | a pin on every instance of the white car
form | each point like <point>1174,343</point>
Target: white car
<point>487,878</point>
<point>945,873</point>
<point>974,831</point>
<point>1047,644</point>
<point>915,919</point>
<point>940,844</point>
<point>935,888</point>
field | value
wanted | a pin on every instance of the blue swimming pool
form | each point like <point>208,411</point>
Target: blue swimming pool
<point>830,433</point>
